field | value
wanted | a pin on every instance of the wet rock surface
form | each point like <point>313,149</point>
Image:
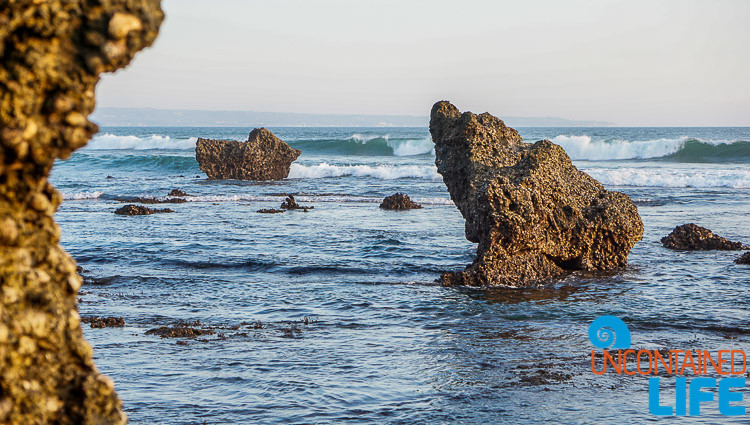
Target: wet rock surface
<point>270,211</point>
<point>52,54</point>
<point>177,193</point>
<point>534,215</point>
<point>291,204</point>
<point>140,210</point>
<point>691,237</point>
<point>743,259</point>
<point>398,202</point>
<point>103,322</point>
<point>262,157</point>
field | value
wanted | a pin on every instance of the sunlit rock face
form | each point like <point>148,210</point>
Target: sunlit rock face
<point>262,157</point>
<point>534,215</point>
<point>51,55</point>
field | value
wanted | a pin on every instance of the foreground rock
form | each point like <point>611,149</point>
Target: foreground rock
<point>690,237</point>
<point>140,210</point>
<point>262,157</point>
<point>744,258</point>
<point>399,201</point>
<point>52,54</point>
<point>534,215</point>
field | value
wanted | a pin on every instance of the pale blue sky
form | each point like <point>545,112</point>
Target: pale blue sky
<point>632,62</point>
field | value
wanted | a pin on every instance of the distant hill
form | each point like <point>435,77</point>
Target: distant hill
<point>146,117</point>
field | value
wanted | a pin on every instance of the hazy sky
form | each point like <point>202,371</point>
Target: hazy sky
<point>630,62</point>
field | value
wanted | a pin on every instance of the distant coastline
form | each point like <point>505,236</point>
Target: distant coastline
<point>149,117</point>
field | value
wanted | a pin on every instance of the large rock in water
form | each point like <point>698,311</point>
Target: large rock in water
<point>52,53</point>
<point>263,157</point>
<point>534,215</point>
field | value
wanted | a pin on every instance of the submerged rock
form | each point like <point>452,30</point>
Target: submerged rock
<point>104,322</point>
<point>534,215</point>
<point>262,157</point>
<point>270,211</point>
<point>52,54</point>
<point>178,194</point>
<point>399,201</point>
<point>691,237</point>
<point>290,204</point>
<point>140,210</point>
<point>744,258</point>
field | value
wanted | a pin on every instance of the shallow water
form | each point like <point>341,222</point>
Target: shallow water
<point>382,343</point>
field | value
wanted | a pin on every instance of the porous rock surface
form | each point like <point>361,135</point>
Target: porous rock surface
<point>534,215</point>
<point>262,157</point>
<point>131,209</point>
<point>51,55</point>
<point>691,237</point>
<point>743,259</point>
<point>399,201</point>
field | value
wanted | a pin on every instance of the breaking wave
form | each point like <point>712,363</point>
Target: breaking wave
<point>659,177</point>
<point>682,149</point>
<point>108,141</point>
<point>358,144</point>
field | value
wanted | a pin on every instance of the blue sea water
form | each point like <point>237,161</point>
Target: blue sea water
<point>382,343</point>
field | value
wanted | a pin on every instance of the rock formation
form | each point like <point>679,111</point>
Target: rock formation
<point>743,259</point>
<point>51,55</point>
<point>270,211</point>
<point>177,193</point>
<point>262,157</point>
<point>534,215</point>
<point>131,209</point>
<point>399,201</point>
<point>690,237</point>
<point>290,204</point>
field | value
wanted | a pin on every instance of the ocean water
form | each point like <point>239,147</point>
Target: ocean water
<point>352,327</point>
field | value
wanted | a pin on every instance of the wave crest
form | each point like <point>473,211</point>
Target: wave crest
<point>682,149</point>
<point>108,141</point>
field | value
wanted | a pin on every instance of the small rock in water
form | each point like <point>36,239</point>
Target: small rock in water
<point>103,322</point>
<point>290,204</point>
<point>270,211</point>
<point>690,237</point>
<point>744,258</point>
<point>178,193</point>
<point>399,201</point>
<point>140,210</point>
<point>109,177</point>
<point>179,331</point>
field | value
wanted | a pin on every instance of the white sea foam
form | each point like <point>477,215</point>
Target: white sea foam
<point>364,139</point>
<point>82,195</point>
<point>583,148</point>
<point>109,141</point>
<point>413,147</point>
<point>660,177</point>
<point>385,172</point>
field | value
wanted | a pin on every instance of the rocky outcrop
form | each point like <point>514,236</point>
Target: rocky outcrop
<point>534,215</point>
<point>51,55</point>
<point>269,211</point>
<point>177,193</point>
<point>691,237</point>
<point>262,157</point>
<point>398,202</point>
<point>290,204</point>
<point>140,210</point>
<point>744,258</point>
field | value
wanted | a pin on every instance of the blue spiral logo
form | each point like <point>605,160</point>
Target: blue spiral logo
<point>609,332</point>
